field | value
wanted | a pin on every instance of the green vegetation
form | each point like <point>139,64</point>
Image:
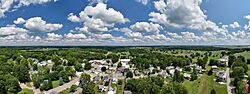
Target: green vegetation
<point>67,91</point>
<point>246,54</point>
<point>120,86</point>
<point>154,85</point>
<point>28,84</point>
<point>55,83</point>
<point>16,64</point>
<point>26,91</point>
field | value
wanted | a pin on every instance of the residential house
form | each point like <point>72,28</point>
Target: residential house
<point>146,72</point>
<point>102,88</point>
<point>163,73</point>
<point>43,63</point>
<point>124,62</point>
<point>169,67</point>
<point>198,69</point>
<point>96,63</point>
<point>137,73</point>
<point>214,68</point>
<point>96,79</point>
<point>223,60</point>
<point>178,69</point>
<point>171,72</point>
<point>106,79</point>
<point>114,80</point>
<point>221,76</point>
<point>127,92</point>
<point>111,92</point>
<point>187,76</point>
<point>78,74</point>
<point>151,69</point>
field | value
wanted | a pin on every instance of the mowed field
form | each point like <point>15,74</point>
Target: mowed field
<point>204,85</point>
<point>246,54</point>
<point>215,54</point>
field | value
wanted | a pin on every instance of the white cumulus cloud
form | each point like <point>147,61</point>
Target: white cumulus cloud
<point>11,30</point>
<point>146,27</point>
<point>54,37</point>
<point>234,25</point>
<point>29,2</point>
<point>144,2</point>
<point>19,21</point>
<point>38,24</point>
<point>98,19</point>
<point>8,5</point>
<point>75,36</point>
<point>182,14</point>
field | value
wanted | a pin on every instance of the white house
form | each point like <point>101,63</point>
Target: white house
<point>178,69</point>
<point>78,74</point>
<point>102,88</point>
<point>172,72</point>
<point>111,92</point>
<point>124,62</point>
<point>114,80</point>
<point>151,69</point>
<point>43,63</point>
<point>97,62</point>
<point>187,76</point>
<point>170,67</point>
<point>127,92</point>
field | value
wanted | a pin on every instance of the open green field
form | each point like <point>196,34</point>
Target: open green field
<point>26,91</point>
<point>246,54</point>
<point>215,54</point>
<point>204,85</point>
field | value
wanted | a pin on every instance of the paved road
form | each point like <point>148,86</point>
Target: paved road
<point>229,85</point>
<point>63,87</point>
<point>228,82</point>
<point>78,91</point>
<point>24,86</point>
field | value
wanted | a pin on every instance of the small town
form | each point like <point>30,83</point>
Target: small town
<point>126,70</point>
<point>124,47</point>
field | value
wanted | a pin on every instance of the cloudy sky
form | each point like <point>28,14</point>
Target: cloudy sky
<point>124,22</point>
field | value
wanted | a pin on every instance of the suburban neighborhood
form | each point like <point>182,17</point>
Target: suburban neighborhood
<point>130,71</point>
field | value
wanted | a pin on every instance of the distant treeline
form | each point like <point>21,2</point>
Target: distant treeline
<point>124,48</point>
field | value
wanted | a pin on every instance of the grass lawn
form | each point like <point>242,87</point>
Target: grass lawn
<point>192,86</point>
<point>119,89</point>
<point>97,91</point>
<point>248,72</point>
<point>246,54</point>
<point>26,91</point>
<point>100,92</point>
<point>215,54</point>
<point>55,83</point>
<point>67,91</point>
<point>28,84</point>
<point>204,85</point>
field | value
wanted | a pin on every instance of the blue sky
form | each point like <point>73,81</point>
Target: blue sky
<point>124,22</point>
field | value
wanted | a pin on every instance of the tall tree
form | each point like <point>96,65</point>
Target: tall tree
<point>21,72</point>
<point>88,88</point>
<point>84,79</point>
<point>129,74</point>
